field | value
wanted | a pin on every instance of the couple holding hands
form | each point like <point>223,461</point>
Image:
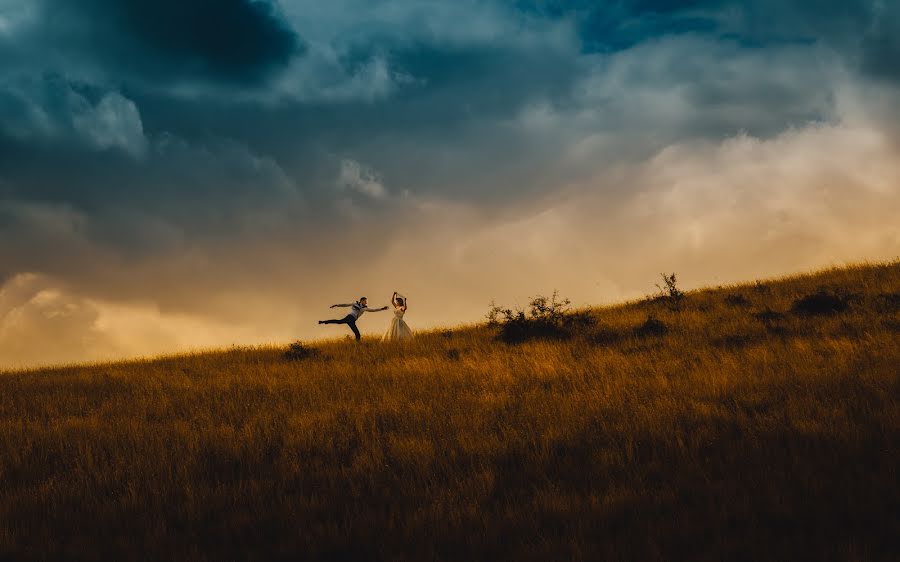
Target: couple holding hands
<point>397,331</point>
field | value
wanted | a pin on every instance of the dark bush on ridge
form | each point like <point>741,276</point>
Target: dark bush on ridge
<point>546,318</point>
<point>669,293</point>
<point>651,327</point>
<point>820,303</point>
<point>298,351</point>
<point>669,289</point>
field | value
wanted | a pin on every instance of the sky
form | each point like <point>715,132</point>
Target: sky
<point>186,174</point>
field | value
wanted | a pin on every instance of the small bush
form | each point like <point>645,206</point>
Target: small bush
<point>299,351</point>
<point>669,292</point>
<point>820,303</point>
<point>547,318</point>
<point>651,327</point>
<point>670,288</point>
<point>551,310</point>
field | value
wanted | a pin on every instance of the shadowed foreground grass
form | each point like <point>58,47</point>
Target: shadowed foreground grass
<point>751,426</point>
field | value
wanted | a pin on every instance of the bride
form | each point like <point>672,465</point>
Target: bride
<point>398,330</point>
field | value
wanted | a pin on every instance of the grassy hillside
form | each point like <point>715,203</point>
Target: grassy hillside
<point>742,423</point>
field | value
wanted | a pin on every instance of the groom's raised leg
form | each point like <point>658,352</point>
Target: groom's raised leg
<point>348,320</point>
<point>345,320</point>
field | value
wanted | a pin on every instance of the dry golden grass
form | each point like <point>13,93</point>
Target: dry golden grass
<point>733,436</point>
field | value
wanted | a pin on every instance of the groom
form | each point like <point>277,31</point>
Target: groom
<point>356,310</point>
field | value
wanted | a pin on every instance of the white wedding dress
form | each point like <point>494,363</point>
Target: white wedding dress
<point>398,330</point>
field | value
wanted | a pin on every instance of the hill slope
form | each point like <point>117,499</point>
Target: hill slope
<point>750,422</point>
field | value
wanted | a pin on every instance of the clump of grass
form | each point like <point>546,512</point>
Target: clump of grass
<point>819,303</point>
<point>761,287</point>
<point>652,326</point>
<point>298,351</point>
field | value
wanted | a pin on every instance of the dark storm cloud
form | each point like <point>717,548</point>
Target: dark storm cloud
<point>450,125</point>
<point>864,30</point>
<point>881,45</point>
<point>452,101</point>
<point>236,40</point>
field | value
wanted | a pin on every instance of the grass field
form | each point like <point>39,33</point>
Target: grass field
<point>752,422</point>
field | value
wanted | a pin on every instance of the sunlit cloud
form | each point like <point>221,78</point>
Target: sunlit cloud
<point>355,177</point>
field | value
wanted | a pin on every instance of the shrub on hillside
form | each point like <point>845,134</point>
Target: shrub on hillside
<point>546,318</point>
<point>669,288</point>
<point>299,351</point>
<point>820,303</point>
<point>651,327</point>
<point>669,293</point>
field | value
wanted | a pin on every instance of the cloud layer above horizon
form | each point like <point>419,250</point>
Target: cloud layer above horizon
<point>191,173</point>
